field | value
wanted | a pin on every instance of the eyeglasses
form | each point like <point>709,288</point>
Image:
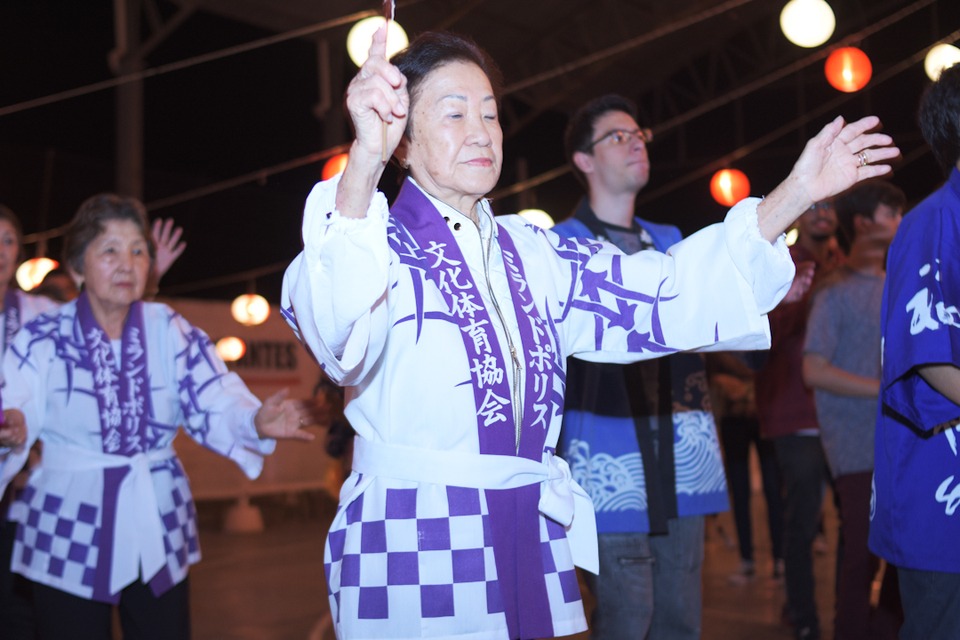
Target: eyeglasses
<point>618,137</point>
<point>821,205</point>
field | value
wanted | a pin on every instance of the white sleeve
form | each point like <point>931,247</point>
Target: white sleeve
<point>335,290</point>
<point>710,291</point>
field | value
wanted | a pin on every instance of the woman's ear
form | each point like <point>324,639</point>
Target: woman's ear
<point>400,153</point>
<point>76,277</point>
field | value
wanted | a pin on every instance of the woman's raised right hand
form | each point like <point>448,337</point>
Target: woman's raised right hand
<point>377,95</point>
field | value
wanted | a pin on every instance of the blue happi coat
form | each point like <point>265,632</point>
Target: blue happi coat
<point>914,518</point>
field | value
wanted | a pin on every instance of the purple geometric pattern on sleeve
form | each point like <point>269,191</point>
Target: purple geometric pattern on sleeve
<point>203,369</point>
<point>603,294</point>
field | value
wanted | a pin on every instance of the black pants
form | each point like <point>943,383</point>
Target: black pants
<point>16,600</point>
<point>737,434</point>
<point>803,468</point>
<point>143,616</point>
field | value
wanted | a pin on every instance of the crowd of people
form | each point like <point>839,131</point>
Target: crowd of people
<point>519,408</point>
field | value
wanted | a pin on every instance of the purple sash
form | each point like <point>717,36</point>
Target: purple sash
<point>420,237</point>
<point>123,392</point>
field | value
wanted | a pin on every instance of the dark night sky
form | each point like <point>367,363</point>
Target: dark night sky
<point>230,117</point>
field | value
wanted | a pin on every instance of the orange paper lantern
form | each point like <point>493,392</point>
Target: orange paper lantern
<point>848,69</point>
<point>729,186</point>
<point>334,166</point>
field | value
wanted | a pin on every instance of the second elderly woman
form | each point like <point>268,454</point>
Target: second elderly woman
<point>105,381</point>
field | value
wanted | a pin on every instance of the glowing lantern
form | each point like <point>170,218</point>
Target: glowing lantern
<point>939,58</point>
<point>361,35</point>
<point>807,23</point>
<point>848,69</point>
<point>250,309</point>
<point>538,217</point>
<point>729,186</point>
<point>32,272</point>
<point>792,236</point>
<point>333,166</point>
<point>231,348</point>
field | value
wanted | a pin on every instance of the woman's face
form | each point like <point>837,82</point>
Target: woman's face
<point>9,250</point>
<point>456,145</point>
<point>115,266</point>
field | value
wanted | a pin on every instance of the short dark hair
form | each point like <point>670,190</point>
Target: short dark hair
<point>579,133</point>
<point>433,49</point>
<point>939,117</point>
<point>89,222</point>
<point>863,200</point>
<point>6,213</point>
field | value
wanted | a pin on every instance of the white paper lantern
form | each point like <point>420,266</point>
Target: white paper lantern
<point>250,309</point>
<point>231,348</point>
<point>361,35</point>
<point>807,23</point>
<point>939,58</point>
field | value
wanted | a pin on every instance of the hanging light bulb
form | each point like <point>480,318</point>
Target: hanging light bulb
<point>361,35</point>
<point>32,272</point>
<point>939,58</point>
<point>333,166</point>
<point>807,23</point>
<point>729,186</point>
<point>848,69</point>
<point>250,309</point>
<point>538,217</point>
<point>231,348</point>
<point>792,236</point>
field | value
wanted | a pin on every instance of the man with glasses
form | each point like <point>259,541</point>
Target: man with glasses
<point>640,438</point>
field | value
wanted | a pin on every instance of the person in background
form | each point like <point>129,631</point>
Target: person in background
<point>914,522</point>
<point>105,381</point>
<point>841,363</point>
<point>450,331</point>
<point>639,438</point>
<point>788,417</point>
<point>733,393</point>
<point>18,308</point>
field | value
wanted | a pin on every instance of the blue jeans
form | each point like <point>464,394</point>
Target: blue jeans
<point>931,604</point>
<point>649,586</point>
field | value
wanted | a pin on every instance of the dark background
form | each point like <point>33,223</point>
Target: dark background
<point>246,114</point>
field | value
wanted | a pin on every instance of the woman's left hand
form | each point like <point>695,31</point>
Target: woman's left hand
<point>284,418</point>
<point>169,247</point>
<point>842,155</point>
<point>834,160</point>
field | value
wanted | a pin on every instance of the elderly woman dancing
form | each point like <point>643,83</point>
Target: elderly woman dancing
<point>450,330</point>
<point>104,381</point>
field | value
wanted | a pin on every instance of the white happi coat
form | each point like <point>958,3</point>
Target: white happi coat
<point>91,523</point>
<point>435,535</point>
<point>28,307</point>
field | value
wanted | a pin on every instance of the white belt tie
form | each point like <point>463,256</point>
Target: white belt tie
<point>138,548</point>
<point>561,498</point>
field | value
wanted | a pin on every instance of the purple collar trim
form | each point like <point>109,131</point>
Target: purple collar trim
<point>123,392</point>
